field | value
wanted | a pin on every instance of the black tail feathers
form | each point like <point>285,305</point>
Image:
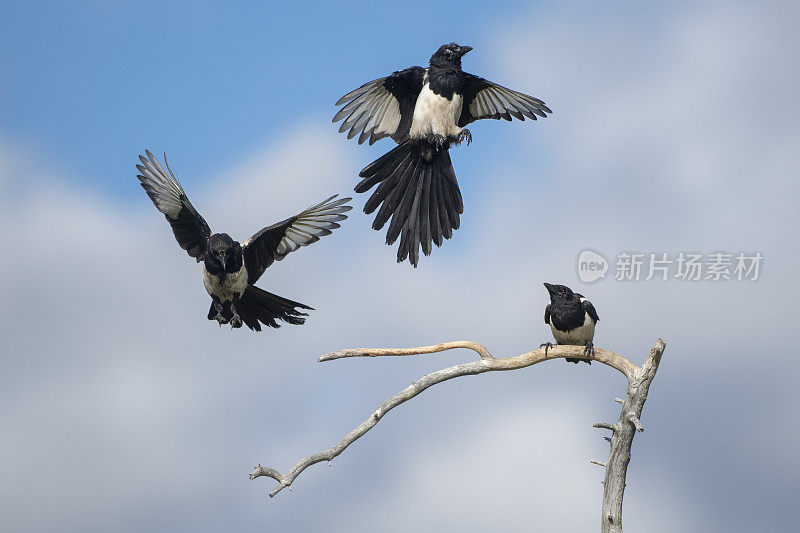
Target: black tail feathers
<point>257,305</point>
<point>417,188</point>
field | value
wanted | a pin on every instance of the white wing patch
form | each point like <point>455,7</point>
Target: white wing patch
<point>388,121</point>
<point>315,222</point>
<point>163,188</point>
<point>496,101</point>
<point>371,113</point>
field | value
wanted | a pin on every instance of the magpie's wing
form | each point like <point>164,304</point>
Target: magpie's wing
<point>275,242</point>
<point>382,107</point>
<point>589,308</point>
<point>484,99</point>
<point>547,315</point>
<point>190,229</point>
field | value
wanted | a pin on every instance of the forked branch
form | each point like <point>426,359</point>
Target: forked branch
<point>486,363</point>
<point>639,379</point>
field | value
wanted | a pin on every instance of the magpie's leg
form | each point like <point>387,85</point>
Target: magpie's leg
<point>547,346</point>
<point>588,350</point>
<point>215,312</point>
<point>465,135</point>
<point>236,320</point>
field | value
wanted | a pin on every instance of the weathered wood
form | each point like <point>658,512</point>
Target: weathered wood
<point>639,379</point>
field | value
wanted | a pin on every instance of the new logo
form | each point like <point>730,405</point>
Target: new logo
<point>591,266</point>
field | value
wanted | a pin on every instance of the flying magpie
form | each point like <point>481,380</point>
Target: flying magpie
<point>230,269</point>
<point>571,318</point>
<point>424,110</point>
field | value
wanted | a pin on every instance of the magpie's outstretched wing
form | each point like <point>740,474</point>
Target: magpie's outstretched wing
<point>484,99</point>
<point>275,242</point>
<point>190,229</point>
<point>382,107</point>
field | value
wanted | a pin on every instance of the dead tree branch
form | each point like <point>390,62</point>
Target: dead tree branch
<point>622,438</point>
<point>639,379</point>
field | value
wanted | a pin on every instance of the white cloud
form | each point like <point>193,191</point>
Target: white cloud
<point>124,407</point>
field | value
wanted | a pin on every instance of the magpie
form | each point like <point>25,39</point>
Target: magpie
<point>571,318</point>
<point>230,268</point>
<point>424,110</point>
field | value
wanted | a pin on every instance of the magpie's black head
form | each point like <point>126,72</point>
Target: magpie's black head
<point>448,56</point>
<point>223,254</point>
<point>560,293</point>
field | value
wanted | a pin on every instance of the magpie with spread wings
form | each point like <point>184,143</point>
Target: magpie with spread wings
<point>424,110</point>
<point>230,269</point>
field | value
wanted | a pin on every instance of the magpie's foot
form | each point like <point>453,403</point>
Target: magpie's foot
<point>215,309</point>
<point>236,321</point>
<point>547,346</point>
<point>588,349</point>
<point>215,312</point>
<point>465,135</point>
<point>438,141</point>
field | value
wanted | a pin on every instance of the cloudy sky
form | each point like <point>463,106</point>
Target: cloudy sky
<point>123,408</point>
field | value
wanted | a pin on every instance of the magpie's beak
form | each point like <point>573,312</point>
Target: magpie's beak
<point>222,261</point>
<point>549,287</point>
<point>463,50</point>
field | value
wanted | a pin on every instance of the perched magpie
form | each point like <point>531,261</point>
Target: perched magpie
<point>571,318</point>
<point>230,269</point>
<point>424,110</point>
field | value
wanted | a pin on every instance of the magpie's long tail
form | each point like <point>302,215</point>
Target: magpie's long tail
<point>257,305</point>
<point>417,188</point>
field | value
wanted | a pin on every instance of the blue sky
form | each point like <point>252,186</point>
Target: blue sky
<point>94,83</point>
<point>674,129</point>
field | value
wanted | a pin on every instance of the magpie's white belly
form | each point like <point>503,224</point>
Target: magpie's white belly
<point>225,289</point>
<point>578,336</point>
<point>435,115</point>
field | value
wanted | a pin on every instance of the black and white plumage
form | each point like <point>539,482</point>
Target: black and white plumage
<point>572,319</point>
<point>424,110</point>
<point>230,269</point>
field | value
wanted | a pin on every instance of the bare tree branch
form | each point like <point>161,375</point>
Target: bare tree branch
<point>379,352</point>
<point>622,438</point>
<point>605,425</point>
<point>487,363</point>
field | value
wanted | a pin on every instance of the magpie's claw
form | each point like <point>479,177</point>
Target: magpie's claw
<point>236,321</point>
<point>547,346</point>
<point>588,349</point>
<point>465,135</point>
